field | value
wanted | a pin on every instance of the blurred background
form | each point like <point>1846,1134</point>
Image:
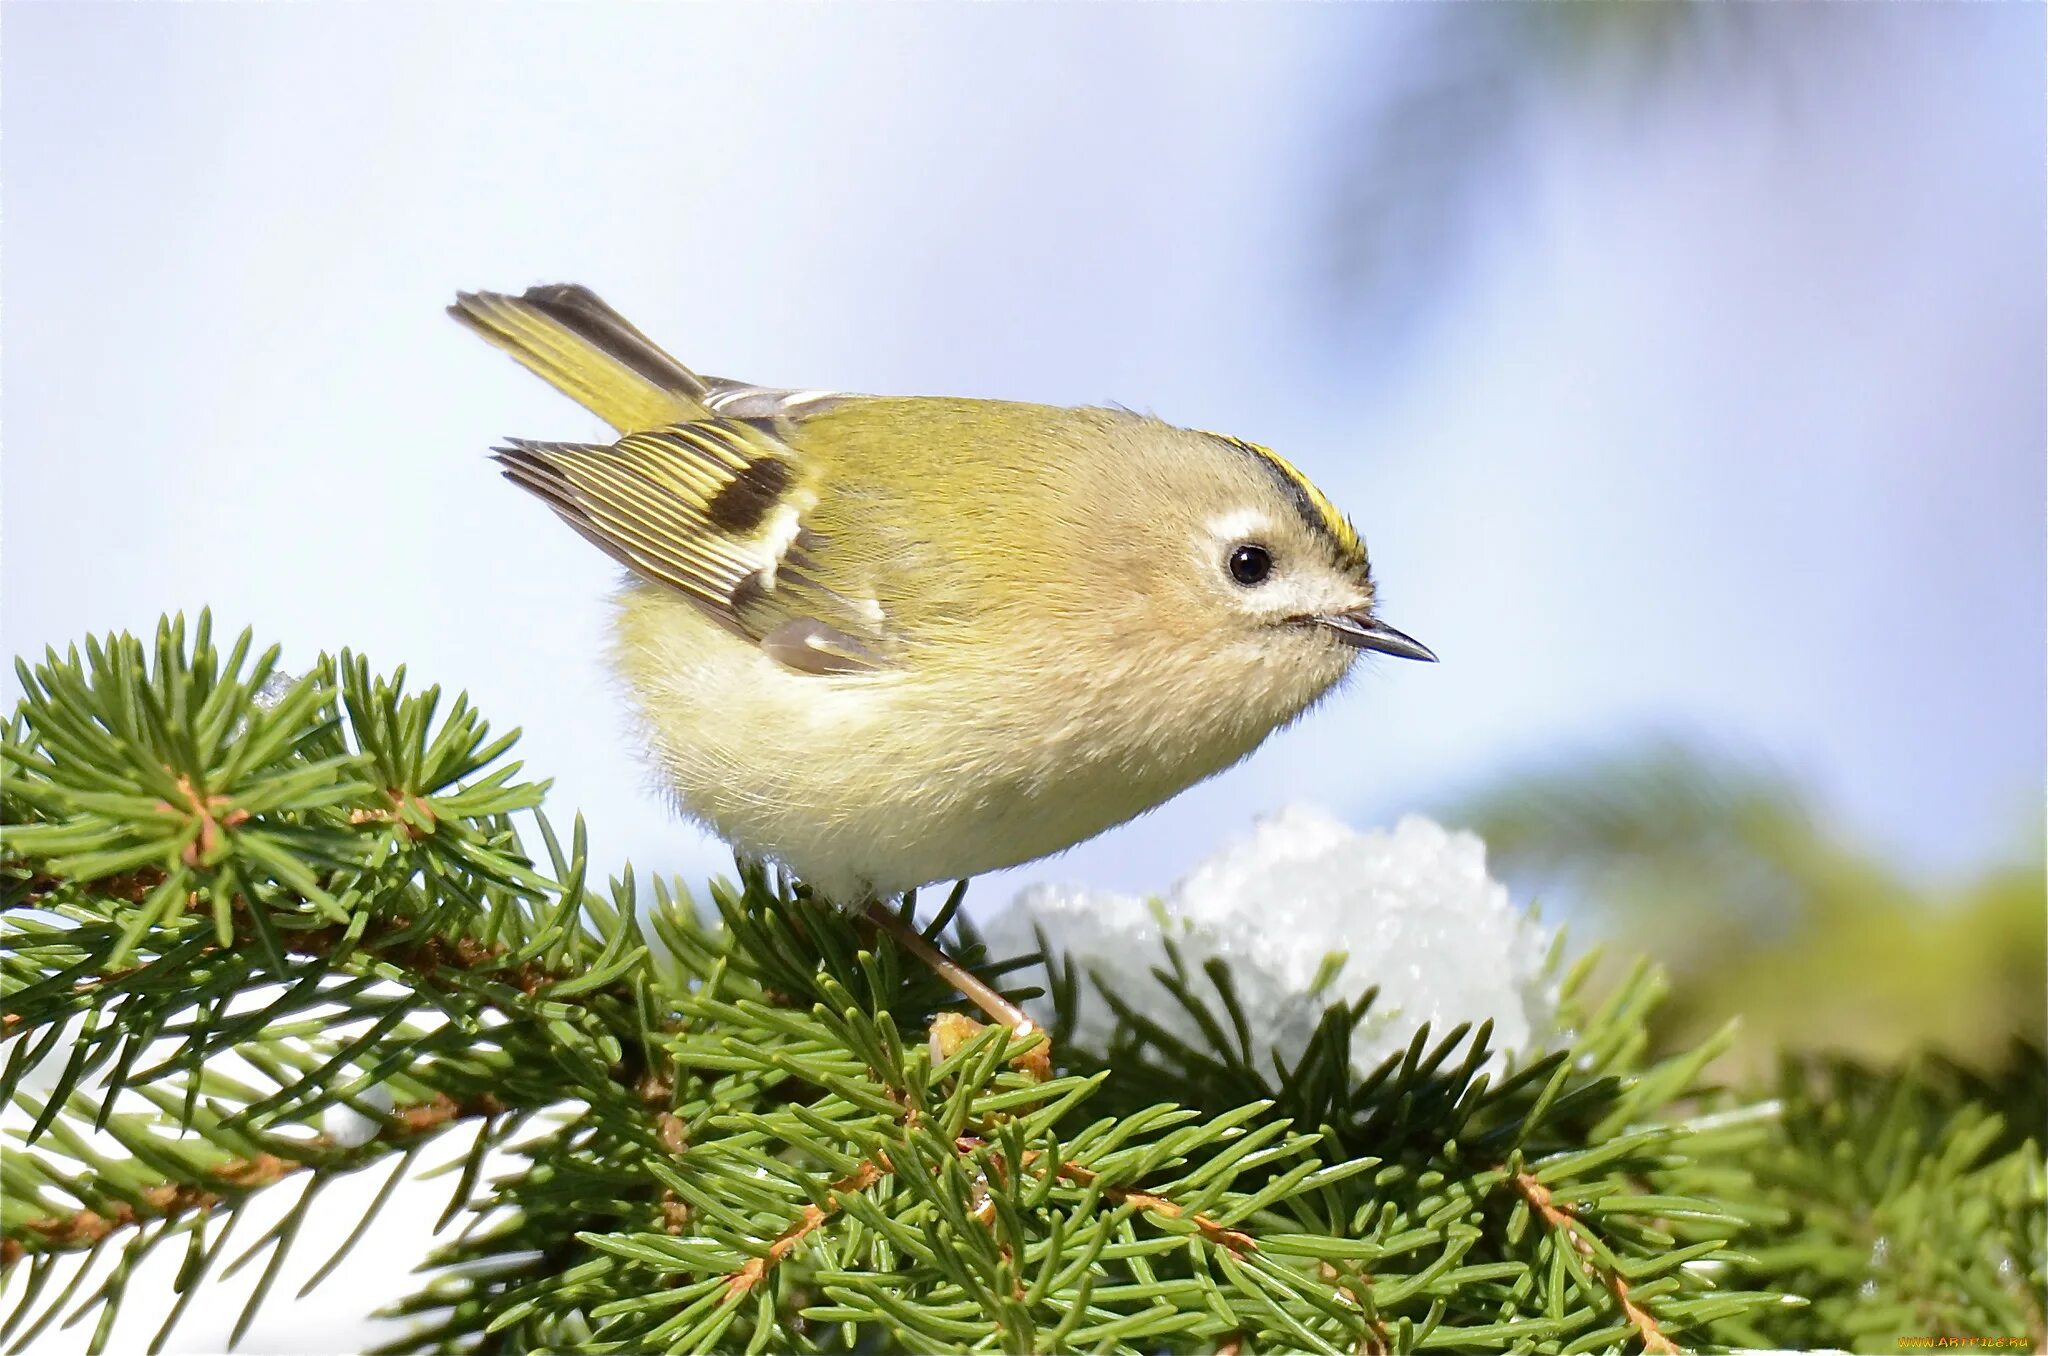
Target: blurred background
<point>1682,365</point>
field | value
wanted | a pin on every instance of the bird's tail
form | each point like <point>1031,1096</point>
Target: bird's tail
<point>589,352</point>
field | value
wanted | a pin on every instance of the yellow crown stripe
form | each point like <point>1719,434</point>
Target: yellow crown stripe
<point>1315,506</point>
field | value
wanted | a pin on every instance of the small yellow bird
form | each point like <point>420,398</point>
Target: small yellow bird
<point>888,641</point>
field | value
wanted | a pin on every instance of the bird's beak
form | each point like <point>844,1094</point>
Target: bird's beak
<point>1360,631</point>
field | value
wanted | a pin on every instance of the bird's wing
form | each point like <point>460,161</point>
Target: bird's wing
<point>566,334</point>
<point>589,352</point>
<point>743,400</point>
<point>715,509</point>
<point>704,494</point>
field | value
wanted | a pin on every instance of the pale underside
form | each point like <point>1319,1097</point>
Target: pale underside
<point>875,783</point>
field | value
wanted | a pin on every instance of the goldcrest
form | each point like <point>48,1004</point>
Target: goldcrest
<point>888,641</point>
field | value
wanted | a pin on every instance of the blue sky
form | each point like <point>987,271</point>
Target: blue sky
<point>1725,417</point>
<point>1719,411</point>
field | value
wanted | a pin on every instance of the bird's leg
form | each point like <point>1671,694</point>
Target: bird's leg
<point>1001,1009</point>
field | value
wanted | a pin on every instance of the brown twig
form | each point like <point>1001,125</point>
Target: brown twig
<point>1236,1240</point>
<point>207,810</point>
<point>396,814</point>
<point>1561,1219</point>
<point>813,1218</point>
<point>1036,1061</point>
<point>84,1227</point>
<point>425,956</point>
<point>1376,1341</point>
<point>130,886</point>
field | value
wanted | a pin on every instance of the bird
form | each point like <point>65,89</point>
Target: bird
<point>887,641</point>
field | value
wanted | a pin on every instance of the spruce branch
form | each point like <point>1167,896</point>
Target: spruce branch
<point>1234,1241</point>
<point>231,1179</point>
<point>761,1125</point>
<point>813,1217</point>
<point>1568,1224</point>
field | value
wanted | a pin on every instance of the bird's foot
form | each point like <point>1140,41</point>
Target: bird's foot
<point>953,1031</point>
<point>1037,1061</point>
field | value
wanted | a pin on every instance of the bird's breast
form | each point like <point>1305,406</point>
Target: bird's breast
<point>946,766</point>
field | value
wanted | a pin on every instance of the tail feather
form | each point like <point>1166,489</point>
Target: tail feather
<point>589,352</point>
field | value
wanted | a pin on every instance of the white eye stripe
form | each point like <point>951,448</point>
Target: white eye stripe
<point>1238,524</point>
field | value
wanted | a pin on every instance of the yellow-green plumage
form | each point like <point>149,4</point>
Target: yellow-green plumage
<point>892,640</point>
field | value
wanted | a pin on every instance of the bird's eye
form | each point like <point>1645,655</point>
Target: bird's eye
<point>1250,563</point>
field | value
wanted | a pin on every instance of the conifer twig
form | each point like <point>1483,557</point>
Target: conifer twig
<point>809,1222</point>
<point>208,810</point>
<point>84,1227</point>
<point>1038,1061</point>
<point>814,1217</point>
<point>400,801</point>
<point>1376,1341</point>
<point>1563,1221</point>
<point>1236,1240</point>
<point>332,889</point>
<point>423,955</point>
